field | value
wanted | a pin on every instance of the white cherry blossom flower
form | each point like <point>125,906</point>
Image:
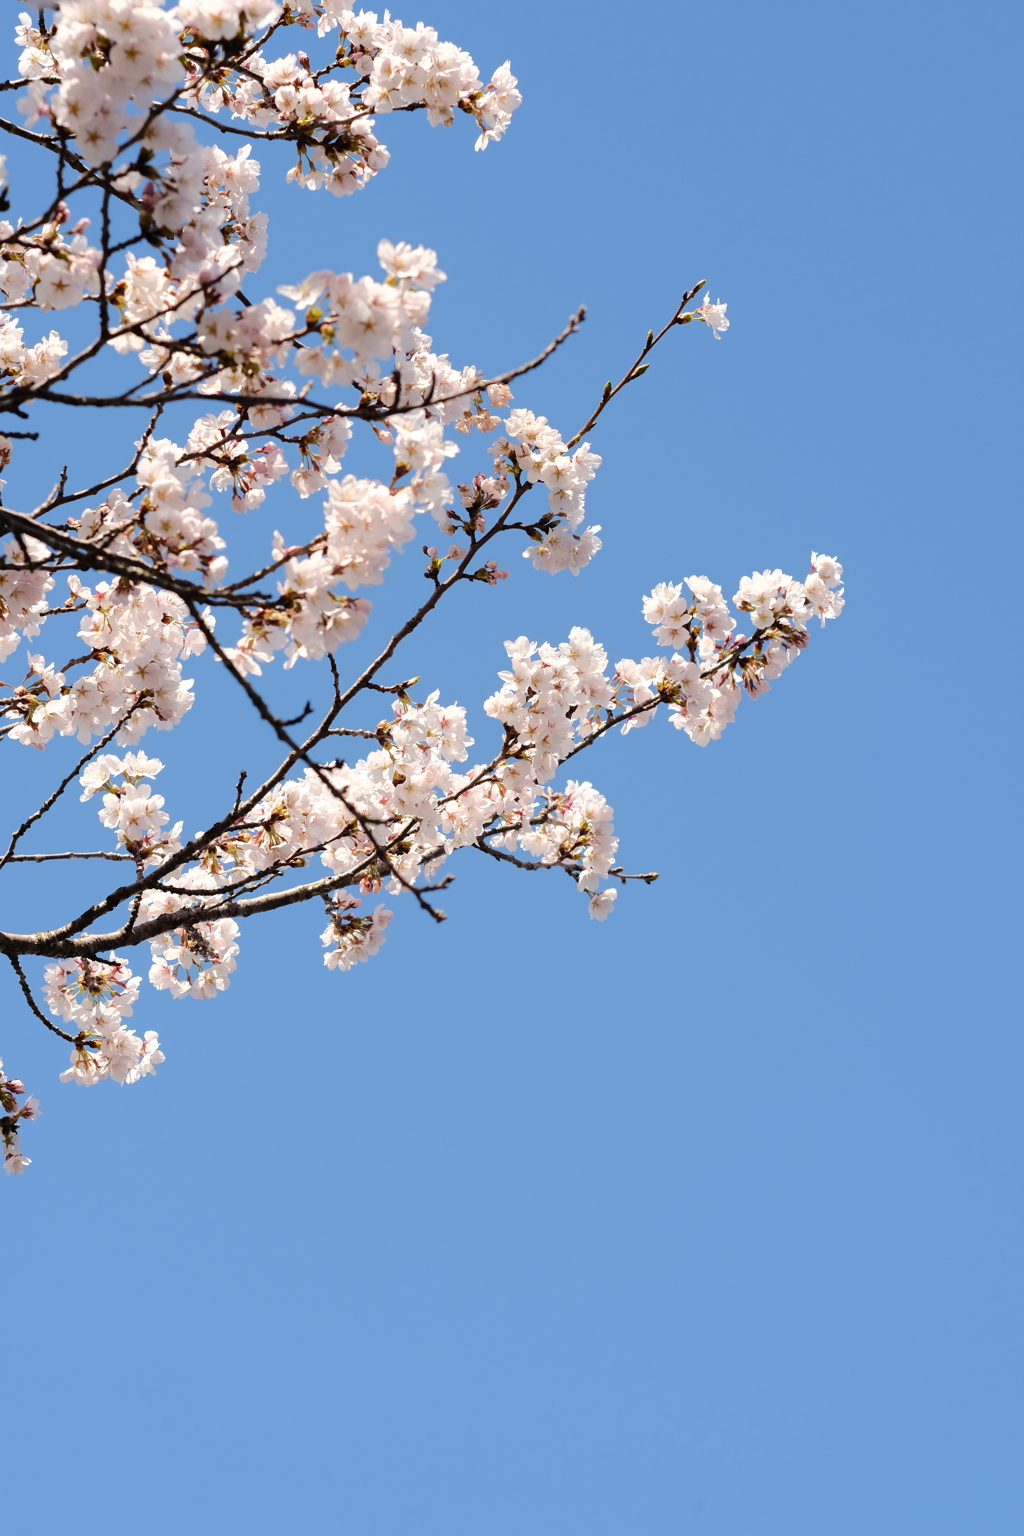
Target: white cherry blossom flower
<point>713,316</point>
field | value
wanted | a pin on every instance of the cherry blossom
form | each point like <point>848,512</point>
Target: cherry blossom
<point>713,316</point>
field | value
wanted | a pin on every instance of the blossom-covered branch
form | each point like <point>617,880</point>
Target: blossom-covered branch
<point>147,118</point>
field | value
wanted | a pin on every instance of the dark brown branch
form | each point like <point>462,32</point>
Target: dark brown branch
<point>375,412</point>
<point>507,858</point>
<point>613,720</point>
<point>27,990</point>
<point>91,557</point>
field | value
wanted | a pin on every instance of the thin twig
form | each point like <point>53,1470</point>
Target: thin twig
<point>45,858</point>
<point>637,368</point>
<point>62,786</point>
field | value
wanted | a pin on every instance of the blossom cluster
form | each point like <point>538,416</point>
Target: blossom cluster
<point>56,273</point>
<point>192,199</point>
<point>196,958</point>
<point>95,997</point>
<point>22,594</point>
<point>32,365</point>
<point>12,1114</point>
<point>353,938</point>
<point>105,54</point>
<point>704,686</point>
<point>130,807</point>
<point>394,67</point>
<point>541,456</point>
<point>137,637</point>
<point>198,202</point>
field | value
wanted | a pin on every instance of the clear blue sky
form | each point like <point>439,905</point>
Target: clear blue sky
<point>707,1220</point>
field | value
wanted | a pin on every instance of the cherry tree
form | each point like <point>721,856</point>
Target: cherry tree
<point>151,118</point>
